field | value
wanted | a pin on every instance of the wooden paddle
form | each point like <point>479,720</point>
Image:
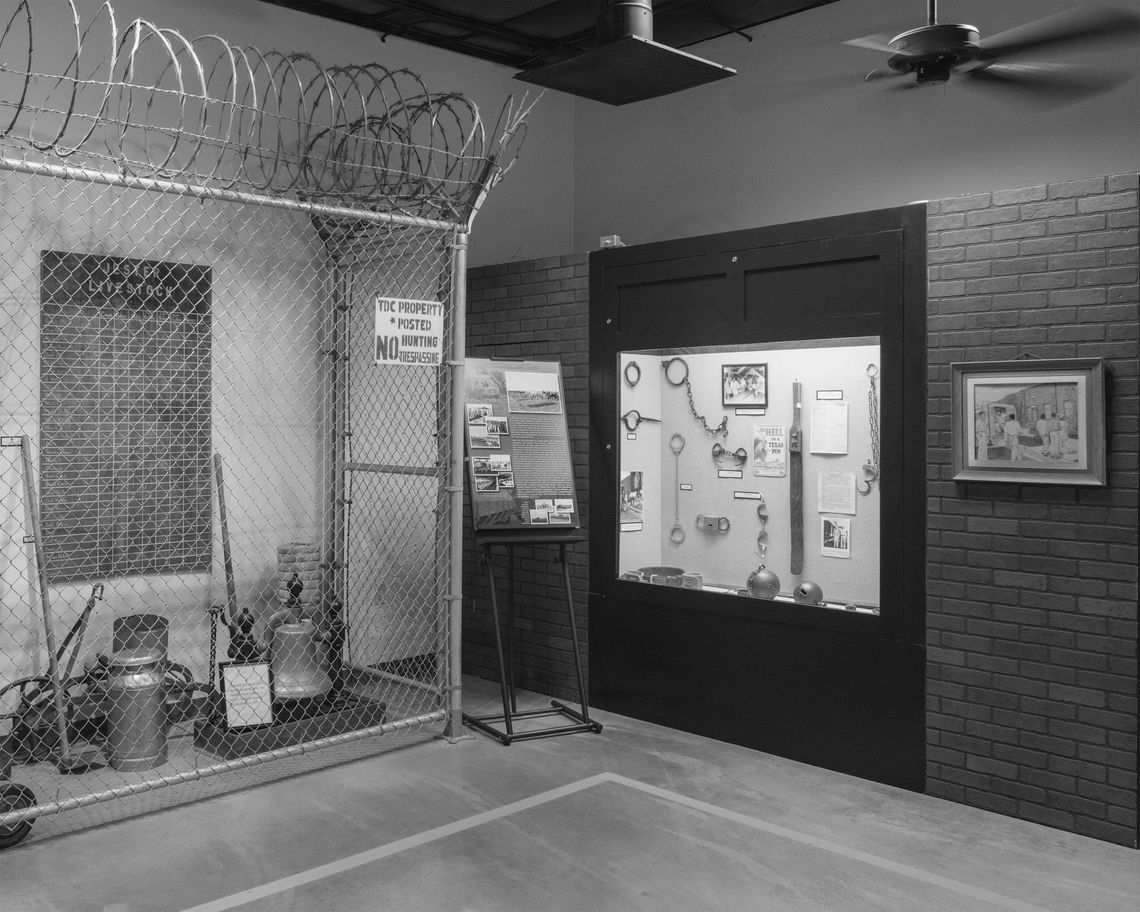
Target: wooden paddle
<point>796,479</point>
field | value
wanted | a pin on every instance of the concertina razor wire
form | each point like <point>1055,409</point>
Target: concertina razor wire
<point>231,539</point>
<point>147,102</point>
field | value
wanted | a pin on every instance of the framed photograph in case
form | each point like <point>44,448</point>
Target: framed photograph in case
<point>744,384</point>
<point>1030,421</point>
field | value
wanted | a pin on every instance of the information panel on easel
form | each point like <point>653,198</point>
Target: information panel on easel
<point>518,446</point>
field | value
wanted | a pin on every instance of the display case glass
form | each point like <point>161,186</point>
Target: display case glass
<point>753,471</point>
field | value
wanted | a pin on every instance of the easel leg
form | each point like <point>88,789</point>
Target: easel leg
<point>511,628</point>
<point>503,687</point>
<point>585,715</point>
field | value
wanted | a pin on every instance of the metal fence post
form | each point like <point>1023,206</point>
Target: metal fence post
<point>455,484</point>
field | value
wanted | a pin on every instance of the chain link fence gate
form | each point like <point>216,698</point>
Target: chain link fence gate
<point>230,487</point>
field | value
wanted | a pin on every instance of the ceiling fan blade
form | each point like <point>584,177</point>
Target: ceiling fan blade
<point>1047,82</point>
<point>1087,25</point>
<point>876,75</point>
<point>905,85</point>
<point>873,43</point>
<point>786,91</point>
<point>800,87</point>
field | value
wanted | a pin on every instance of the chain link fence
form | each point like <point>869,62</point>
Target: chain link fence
<point>229,490</point>
<point>200,439</point>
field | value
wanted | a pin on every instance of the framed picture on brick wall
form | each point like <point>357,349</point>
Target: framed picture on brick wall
<point>1031,421</point>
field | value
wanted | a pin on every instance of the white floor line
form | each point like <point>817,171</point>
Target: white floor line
<point>410,842</point>
<point>375,854</point>
<point>877,861</point>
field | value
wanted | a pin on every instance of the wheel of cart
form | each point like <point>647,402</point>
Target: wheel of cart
<point>27,740</point>
<point>14,797</point>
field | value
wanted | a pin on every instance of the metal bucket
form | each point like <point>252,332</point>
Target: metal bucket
<point>136,710</point>
<point>140,631</point>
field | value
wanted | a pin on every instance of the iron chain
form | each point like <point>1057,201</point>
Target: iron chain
<point>871,469</point>
<point>721,428</point>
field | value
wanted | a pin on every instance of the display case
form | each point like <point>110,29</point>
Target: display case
<point>784,610</point>
<point>753,472</point>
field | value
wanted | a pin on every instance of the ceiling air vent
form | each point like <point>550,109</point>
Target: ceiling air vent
<point>628,65</point>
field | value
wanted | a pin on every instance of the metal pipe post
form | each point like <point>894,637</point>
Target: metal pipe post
<point>455,485</point>
<point>333,556</point>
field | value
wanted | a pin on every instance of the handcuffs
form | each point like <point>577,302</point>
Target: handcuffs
<point>713,523</point>
<point>762,535</point>
<point>723,456</point>
<point>677,444</point>
<point>871,466</point>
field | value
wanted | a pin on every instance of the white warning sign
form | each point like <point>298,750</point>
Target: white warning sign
<point>408,332</point>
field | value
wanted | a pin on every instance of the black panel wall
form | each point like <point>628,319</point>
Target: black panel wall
<point>826,687</point>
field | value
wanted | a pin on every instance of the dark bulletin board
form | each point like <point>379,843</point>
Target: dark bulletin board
<point>518,446</point>
<point>125,443</point>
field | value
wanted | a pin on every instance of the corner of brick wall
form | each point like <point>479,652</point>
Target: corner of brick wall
<point>537,309</point>
<point>1031,592</point>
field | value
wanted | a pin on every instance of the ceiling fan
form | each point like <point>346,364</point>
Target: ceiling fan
<point>935,51</point>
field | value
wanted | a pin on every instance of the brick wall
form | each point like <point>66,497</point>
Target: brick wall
<point>1031,607</point>
<point>536,310</point>
<point>1031,593</point>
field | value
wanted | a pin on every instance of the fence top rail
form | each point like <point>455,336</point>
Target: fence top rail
<point>174,188</point>
<point>149,104</point>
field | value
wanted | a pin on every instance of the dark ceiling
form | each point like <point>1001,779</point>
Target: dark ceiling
<point>529,33</point>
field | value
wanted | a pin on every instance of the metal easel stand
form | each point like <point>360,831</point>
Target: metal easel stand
<point>580,719</point>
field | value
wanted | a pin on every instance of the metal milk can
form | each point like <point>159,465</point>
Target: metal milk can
<point>135,703</point>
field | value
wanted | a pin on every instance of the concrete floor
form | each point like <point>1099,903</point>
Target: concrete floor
<point>635,818</point>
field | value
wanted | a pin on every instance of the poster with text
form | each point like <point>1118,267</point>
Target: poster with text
<point>769,450</point>
<point>518,445</point>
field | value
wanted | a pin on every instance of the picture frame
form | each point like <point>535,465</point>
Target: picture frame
<point>744,384</point>
<point>247,690</point>
<point>1029,421</point>
<point>835,536</point>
